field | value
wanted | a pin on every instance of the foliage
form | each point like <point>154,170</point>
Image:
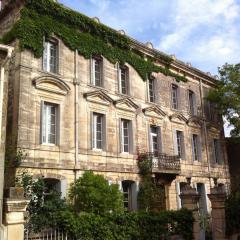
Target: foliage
<point>232,207</point>
<point>226,95</point>
<point>127,226</point>
<point>150,193</point>
<point>43,18</point>
<point>43,209</point>
<point>92,194</point>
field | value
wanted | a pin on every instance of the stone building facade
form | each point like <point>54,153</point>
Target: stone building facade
<point>71,114</point>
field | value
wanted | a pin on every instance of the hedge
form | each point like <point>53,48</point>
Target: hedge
<point>128,226</point>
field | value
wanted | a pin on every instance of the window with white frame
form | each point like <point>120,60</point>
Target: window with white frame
<point>124,79</point>
<point>50,56</point>
<point>98,131</point>
<point>154,139</point>
<point>151,90</point>
<point>192,102</point>
<point>97,71</point>
<point>217,152</point>
<point>196,148</point>
<point>174,92</point>
<point>126,136</point>
<point>179,144</point>
<point>49,123</point>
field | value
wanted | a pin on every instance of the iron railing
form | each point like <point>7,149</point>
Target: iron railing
<point>162,162</point>
<point>47,234</point>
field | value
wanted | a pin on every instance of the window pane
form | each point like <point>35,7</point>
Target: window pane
<point>124,77</point>
<point>154,138</point>
<point>98,72</point>
<point>97,130</point>
<point>191,102</point>
<point>151,90</point>
<point>125,135</point>
<point>50,57</point>
<point>195,147</point>
<point>174,97</point>
<point>179,143</point>
<point>49,123</point>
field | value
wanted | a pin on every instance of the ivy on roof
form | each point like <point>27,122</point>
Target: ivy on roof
<point>43,18</point>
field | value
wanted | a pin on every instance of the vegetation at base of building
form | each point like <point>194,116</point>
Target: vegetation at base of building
<point>232,207</point>
<point>50,211</point>
<point>226,96</point>
<point>92,193</point>
<point>45,18</point>
<point>150,192</point>
<point>128,226</point>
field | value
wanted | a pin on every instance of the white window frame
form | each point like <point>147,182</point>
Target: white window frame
<point>93,70</point>
<point>45,115</point>
<point>153,95</point>
<point>180,144</point>
<point>95,117</point>
<point>174,105</point>
<point>195,147</point>
<point>192,102</point>
<point>128,136</point>
<point>47,56</point>
<point>126,69</point>
<point>157,135</point>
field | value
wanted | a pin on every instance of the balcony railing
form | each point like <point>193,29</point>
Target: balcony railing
<point>161,162</point>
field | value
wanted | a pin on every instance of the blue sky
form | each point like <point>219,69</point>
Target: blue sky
<point>205,33</point>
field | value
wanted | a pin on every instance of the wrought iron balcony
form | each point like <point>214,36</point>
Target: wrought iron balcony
<point>161,162</point>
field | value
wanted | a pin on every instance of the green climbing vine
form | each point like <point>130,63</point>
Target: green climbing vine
<point>44,18</point>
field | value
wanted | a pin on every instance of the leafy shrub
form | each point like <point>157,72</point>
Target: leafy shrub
<point>92,194</point>
<point>128,226</point>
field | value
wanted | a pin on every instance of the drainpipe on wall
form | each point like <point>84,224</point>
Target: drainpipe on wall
<point>8,50</point>
<point>205,131</point>
<point>76,121</point>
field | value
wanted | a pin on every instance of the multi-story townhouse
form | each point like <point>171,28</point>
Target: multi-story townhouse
<point>71,114</point>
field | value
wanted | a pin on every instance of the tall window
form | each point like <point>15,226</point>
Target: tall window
<point>191,99</point>
<point>195,147</point>
<point>174,96</point>
<point>97,70</point>
<point>217,152</point>
<point>125,135</point>
<point>151,89</point>
<point>179,144</point>
<point>123,81</point>
<point>127,195</point>
<point>154,139</point>
<point>97,131</point>
<point>49,123</point>
<point>50,56</point>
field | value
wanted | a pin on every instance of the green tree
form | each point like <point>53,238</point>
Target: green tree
<point>226,96</point>
<point>43,209</point>
<point>92,194</point>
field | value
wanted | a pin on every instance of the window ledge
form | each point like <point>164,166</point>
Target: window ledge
<point>52,74</point>
<point>97,87</point>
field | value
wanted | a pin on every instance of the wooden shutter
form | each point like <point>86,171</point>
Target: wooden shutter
<point>91,130</point>
<point>131,137</point>
<point>134,189</point>
<point>179,203</point>
<point>41,121</point>
<point>160,144</point>
<point>104,133</point>
<point>58,117</point>
<point>92,71</point>
<point>192,144</point>
<point>45,56</point>
<point>199,146</point>
<point>120,136</point>
<point>175,146</point>
<point>183,146</point>
<point>63,188</point>
<point>220,152</point>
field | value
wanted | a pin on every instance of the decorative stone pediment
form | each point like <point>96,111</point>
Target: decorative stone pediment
<point>178,118</point>
<point>51,84</point>
<point>98,96</point>
<point>154,111</point>
<point>214,128</point>
<point>194,122</point>
<point>126,104</point>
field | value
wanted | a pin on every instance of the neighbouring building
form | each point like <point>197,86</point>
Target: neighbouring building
<point>72,113</point>
<point>5,55</point>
